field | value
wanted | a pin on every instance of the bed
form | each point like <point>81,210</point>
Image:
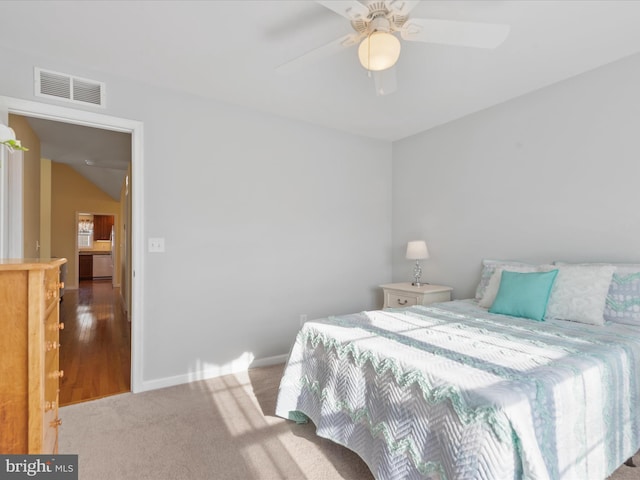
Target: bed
<point>456,390</point>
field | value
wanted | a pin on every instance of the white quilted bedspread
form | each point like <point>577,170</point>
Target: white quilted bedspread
<point>450,391</point>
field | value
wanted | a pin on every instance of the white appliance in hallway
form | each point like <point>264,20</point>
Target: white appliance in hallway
<point>103,264</point>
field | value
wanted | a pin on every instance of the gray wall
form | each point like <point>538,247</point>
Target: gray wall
<point>552,175</point>
<point>264,219</point>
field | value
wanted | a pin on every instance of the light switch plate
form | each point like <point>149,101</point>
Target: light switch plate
<point>156,245</point>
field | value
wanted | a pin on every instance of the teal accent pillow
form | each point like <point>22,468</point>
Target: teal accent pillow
<point>524,294</point>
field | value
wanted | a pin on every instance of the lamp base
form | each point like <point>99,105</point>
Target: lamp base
<point>419,284</point>
<point>417,273</point>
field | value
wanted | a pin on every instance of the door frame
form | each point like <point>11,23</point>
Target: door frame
<point>136,229</point>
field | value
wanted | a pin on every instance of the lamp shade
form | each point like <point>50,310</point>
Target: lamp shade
<point>379,51</point>
<point>6,133</point>
<point>417,250</point>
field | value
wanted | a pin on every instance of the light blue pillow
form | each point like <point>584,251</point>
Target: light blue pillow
<point>524,294</point>
<point>623,300</point>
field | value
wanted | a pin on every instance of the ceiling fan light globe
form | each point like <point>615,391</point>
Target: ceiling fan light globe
<point>379,51</point>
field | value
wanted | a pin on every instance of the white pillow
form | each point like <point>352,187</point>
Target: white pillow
<point>488,267</point>
<point>491,290</point>
<point>623,299</point>
<point>579,294</point>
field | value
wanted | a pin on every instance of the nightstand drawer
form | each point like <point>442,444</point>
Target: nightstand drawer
<point>393,299</point>
<point>398,295</point>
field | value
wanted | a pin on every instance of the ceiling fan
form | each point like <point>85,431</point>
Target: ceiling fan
<point>376,23</point>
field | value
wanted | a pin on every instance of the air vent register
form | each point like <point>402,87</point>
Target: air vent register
<point>62,86</point>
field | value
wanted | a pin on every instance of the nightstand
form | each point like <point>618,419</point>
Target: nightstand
<point>398,295</point>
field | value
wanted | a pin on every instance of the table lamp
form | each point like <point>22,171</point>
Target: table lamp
<point>417,250</point>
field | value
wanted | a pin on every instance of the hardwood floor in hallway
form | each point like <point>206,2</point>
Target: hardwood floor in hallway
<point>95,352</point>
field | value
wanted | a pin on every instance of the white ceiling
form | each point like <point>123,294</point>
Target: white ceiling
<point>228,50</point>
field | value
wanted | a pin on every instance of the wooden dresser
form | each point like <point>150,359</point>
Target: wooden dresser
<point>29,358</point>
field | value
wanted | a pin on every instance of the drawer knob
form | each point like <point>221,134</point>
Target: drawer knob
<point>58,374</point>
<point>49,406</point>
<point>60,284</point>
<point>56,423</point>
<point>403,302</point>
<point>61,326</point>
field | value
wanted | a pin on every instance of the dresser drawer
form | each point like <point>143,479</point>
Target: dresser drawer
<point>52,375</point>
<point>51,422</point>
<point>51,329</point>
<point>52,286</point>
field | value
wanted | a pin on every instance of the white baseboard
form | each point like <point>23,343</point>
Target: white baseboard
<point>268,361</point>
<point>242,364</point>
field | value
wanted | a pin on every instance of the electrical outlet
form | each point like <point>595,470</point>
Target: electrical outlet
<point>303,318</point>
<point>156,245</point>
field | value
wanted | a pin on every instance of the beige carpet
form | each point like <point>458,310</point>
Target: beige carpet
<point>219,429</point>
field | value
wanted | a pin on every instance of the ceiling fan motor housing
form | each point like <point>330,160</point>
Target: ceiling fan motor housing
<point>380,19</point>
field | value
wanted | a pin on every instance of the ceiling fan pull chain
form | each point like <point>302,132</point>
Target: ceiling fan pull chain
<point>369,54</point>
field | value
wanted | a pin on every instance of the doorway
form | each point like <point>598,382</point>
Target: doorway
<point>135,273</point>
<point>97,247</point>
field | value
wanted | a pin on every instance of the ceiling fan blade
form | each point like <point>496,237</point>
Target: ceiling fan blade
<point>350,9</point>
<point>108,164</point>
<point>319,53</point>
<point>401,7</point>
<point>385,81</point>
<point>452,32</point>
